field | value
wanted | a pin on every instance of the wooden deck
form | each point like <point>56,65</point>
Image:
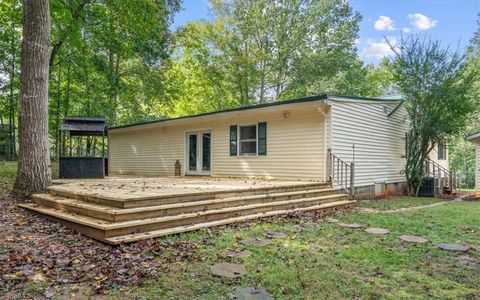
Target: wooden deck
<point>118,210</point>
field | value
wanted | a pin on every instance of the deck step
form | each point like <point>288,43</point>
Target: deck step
<point>111,229</point>
<point>114,214</point>
<point>143,201</point>
<point>103,230</point>
<point>162,232</point>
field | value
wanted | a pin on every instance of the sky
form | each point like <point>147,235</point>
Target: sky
<point>451,21</point>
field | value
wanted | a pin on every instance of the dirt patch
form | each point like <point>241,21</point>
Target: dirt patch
<point>33,249</point>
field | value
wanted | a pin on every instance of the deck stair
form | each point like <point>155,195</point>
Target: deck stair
<point>116,221</point>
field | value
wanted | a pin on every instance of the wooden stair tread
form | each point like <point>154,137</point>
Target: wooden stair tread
<point>179,229</point>
<point>117,211</point>
<point>217,211</point>
<point>77,203</point>
<point>75,218</point>
<point>104,225</point>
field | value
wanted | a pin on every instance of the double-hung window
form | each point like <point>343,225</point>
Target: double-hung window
<point>442,151</point>
<point>247,139</point>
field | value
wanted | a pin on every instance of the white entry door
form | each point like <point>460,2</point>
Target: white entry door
<point>198,156</point>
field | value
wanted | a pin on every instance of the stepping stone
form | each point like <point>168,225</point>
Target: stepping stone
<point>468,261</point>
<point>413,239</point>
<point>228,270</point>
<point>275,235</point>
<point>251,294</point>
<point>236,254</point>
<point>255,242</point>
<point>374,230</point>
<point>350,225</point>
<point>332,220</point>
<point>453,247</point>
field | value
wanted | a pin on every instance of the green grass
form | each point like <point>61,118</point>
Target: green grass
<point>466,191</point>
<point>325,261</point>
<point>397,202</point>
<point>8,172</point>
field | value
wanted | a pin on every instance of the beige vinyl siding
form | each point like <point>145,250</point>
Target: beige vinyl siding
<point>150,152</point>
<point>295,145</point>
<point>379,140</point>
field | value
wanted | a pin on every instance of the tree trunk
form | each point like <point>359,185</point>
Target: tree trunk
<point>34,173</point>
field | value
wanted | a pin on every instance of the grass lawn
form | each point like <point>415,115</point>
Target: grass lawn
<point>8,171</point>
<point>397,202</point>
<point>320,260</point>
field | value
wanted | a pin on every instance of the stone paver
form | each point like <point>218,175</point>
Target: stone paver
<point>453,247</point>
<point>275,235</point>
<point>374,230</point>
<point>468,261</point>
<point>250,293</point>
<point>332,220</point>
<point>236,254</point>
<point>255,242</point>
<point>350,225</point>
<point>413,239</point>
<point>228,270</point>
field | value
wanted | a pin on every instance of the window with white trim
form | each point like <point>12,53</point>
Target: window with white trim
<point>247,139</point>
<point>442,151</point>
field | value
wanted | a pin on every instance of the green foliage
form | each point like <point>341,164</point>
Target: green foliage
<point>435,82</point>
<point>461,152</point>
<point>264,51</point>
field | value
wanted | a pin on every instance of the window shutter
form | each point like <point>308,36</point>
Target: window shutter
<point>262,138</point>
<point>233,140</point>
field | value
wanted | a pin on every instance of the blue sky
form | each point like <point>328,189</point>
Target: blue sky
<point>451,21</point>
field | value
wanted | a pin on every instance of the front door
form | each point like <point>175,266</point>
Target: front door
<point>198,158</point>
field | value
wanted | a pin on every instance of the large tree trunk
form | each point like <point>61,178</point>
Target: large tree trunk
<point>34,174</point>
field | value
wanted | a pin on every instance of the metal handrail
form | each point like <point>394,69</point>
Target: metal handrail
<point>450,178</point>
<point>342,173</point>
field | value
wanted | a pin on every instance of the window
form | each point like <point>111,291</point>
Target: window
<point>442,151</point>
<point>248,140</point>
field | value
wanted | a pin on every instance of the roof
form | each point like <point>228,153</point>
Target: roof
<point>264,105</point>
<point>79,126</point>
<point>472,137</point>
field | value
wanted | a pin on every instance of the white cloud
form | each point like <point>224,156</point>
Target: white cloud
<point>378,49</point>
<point>384,23</point>
<point>406,29</point>
<point>421,21</point>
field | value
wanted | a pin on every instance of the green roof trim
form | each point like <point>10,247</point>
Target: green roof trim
<point>256,106</point>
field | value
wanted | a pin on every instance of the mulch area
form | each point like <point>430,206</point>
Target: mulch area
<point>34,249</point>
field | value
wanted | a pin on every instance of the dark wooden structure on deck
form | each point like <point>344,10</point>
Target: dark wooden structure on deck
<point>84,156</point>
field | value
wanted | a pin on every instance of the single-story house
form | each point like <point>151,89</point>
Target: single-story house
<point>294,139</point>
<point>475,138</point>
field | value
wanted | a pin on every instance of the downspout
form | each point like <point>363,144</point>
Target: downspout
<point>325,145</point>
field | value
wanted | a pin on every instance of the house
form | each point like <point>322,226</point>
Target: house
<point>314,138</point>
<point>475,138</point>
<point>317,148</point>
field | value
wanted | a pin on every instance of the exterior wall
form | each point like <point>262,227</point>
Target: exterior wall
<point>434,157</point>
<point>295,145</point>
<point>477,169</point>
<point>379,141</point>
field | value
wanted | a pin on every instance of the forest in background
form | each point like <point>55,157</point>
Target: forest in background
<point>119,59</point>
